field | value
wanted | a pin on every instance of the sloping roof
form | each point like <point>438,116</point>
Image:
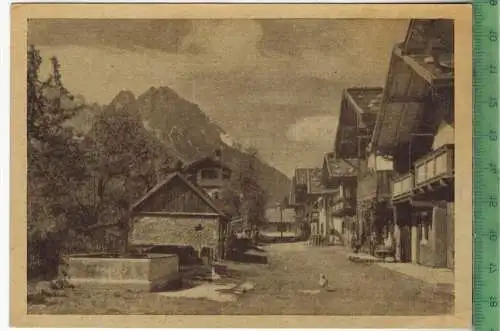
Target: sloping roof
<point>419,30</point>
<point>358,113</point>
<point>366,102</point>
<point>198,190</point>
<point>338,167</point>
<point>414,68</point>
<point>206,159</point>
<point>310,178</point>
<point>314,185</point>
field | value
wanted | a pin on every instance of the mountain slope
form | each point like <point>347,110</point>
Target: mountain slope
<point>187,133</point>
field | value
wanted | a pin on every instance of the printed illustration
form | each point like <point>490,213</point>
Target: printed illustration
<point>240,167</point>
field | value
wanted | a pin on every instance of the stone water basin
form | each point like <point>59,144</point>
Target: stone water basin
<point>147,272</point>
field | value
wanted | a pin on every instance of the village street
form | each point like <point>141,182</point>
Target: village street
<point>287,285</point>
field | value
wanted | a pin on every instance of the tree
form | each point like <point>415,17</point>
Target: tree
<point>56,163</point>
<point>126,161</point>
<point>254,197</point>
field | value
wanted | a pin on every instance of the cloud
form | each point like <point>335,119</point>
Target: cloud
<point>314,129</point>
<point>274,83</point>
<point>228,40</point>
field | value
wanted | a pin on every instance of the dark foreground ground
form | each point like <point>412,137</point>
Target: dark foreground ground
<point>356,289</point>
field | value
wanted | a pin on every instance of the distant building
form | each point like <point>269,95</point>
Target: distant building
<point>209,173</point>
<point>415,129</point>
<point>358,114</point>
<point>339,178</point>
<point>184,209</point>
<point>312,201</point>
<point>280,218</point>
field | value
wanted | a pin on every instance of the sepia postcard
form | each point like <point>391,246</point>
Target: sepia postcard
<point>257,166</point>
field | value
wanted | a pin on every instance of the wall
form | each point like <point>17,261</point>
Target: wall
<point>108,268</point>
<point>314,228</point>
<point>161,266</point>
<point>403,231</point>
<point>379,163</point>
<point>323,226</point>
<point>434,253</point>
<point>174,230</point>
<point>445,135</point>
<point>214,192</point>
<point>147,273</point>
<point>336,226</point>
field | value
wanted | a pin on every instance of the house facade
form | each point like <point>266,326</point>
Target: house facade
<point>209,173</point>
<point>305,204</point>
<point>280,218</point>
<point>339,177</point>
<point>415,129</point>
<point>184,210</point>
<point>358,114</point>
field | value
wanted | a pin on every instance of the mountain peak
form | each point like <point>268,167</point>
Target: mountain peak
<point>123,98</point>
<point>162,91</point>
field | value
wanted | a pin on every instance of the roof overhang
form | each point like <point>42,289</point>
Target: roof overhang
<point>408,88</point>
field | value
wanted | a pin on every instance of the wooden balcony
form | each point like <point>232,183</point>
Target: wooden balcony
<point>376,185</point>
<point>436,166</point>
<point>402,186</point>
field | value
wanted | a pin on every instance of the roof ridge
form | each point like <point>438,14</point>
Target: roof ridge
<point>198,190</point>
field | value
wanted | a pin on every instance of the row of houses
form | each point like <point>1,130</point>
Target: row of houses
<point>391,170</point>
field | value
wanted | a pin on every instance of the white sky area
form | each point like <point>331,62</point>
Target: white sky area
<point>282,97</point>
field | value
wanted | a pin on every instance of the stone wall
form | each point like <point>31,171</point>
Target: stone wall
<point>161,266</point>
<point>176,230</point>
<point>435,251</point>
<point>146,273</point>
<point>108,268</point>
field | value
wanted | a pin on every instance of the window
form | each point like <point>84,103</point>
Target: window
<point>209,174</point>
<point>226,174</point>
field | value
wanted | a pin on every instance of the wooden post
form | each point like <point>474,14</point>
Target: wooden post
<point>397,233</point>
<point>281,220</point>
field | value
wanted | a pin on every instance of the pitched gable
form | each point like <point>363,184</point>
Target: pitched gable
<point>314,185</point>
<point>176,195</point>
<point>339,167</point>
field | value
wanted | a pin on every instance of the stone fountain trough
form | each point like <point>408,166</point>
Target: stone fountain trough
<point>146,272</point>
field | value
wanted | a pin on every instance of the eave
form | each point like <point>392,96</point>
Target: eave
<point>407,93</point>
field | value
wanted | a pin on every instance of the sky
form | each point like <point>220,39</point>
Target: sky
<point>272,84</point>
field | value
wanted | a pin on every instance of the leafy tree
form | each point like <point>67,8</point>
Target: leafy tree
<point>76,182</point>
<point>125,162</point>
<point>56,164</point>
<point>254,197</point>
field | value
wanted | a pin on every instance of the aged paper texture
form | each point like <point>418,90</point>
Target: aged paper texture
<point>241,166</point>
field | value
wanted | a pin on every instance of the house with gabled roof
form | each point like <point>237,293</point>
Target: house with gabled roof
<point>339,177</point>
<point>358,113</point>
<point>415,129</point>
<point>209,172</point>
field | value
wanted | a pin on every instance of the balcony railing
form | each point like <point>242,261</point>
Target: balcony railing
<point>402,186</point>
<point>435,166</point>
